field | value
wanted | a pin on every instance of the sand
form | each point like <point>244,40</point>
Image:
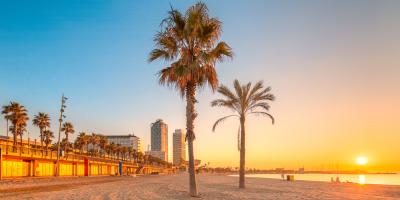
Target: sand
<point>175,187</point>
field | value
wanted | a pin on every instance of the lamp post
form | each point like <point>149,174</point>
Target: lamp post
<point>63,99</point>
<point>7,128</point>
<point>29,146</point>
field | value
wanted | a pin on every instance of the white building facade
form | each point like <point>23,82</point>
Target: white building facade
<point>130,141</point>
<point>179,147</point>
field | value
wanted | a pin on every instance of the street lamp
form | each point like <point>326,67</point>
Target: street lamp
<point>63,106</point>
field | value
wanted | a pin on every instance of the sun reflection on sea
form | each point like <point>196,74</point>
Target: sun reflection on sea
<point>361,179</point>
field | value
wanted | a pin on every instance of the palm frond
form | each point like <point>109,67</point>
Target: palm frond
<point>256,87</point>
<point>221,120</point>
<point>226,92</point>
<point>263,105</point>
<point>238,89</point>
<point>265,114</point>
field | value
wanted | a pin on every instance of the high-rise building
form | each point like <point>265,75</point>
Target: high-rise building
<point>159,137</point>
<point>179,147</point>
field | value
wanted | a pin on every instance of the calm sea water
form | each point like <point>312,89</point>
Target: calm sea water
<point>387,179</point>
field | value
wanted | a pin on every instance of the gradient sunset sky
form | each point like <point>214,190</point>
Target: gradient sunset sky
<point>334,67</point>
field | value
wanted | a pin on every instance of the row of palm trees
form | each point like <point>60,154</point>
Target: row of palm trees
<point>190,43</point>
<point>17,114</point>
<point>96,145</point>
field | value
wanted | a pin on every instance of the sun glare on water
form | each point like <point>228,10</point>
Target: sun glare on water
<point>362,160</point>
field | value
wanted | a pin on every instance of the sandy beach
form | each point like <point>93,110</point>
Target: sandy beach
<point>175,187</point>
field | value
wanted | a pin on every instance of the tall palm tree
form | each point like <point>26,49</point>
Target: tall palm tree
<point>67,128</point>
<point>47,138</point>
<point>189,42</point>
<point>41,120</point>
<point>245,100</point>
<point>18,116</point>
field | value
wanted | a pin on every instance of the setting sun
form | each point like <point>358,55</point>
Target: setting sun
<point>362,160</point>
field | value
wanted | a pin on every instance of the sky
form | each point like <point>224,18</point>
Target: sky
<point>333,66</point>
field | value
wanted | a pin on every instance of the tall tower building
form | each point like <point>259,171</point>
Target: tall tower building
<point>179,147</point>
<point>159,137</point>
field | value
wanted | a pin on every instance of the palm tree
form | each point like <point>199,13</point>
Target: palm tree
<point>94,140</point>
<point>86,139</point>
<point>80,141</point>
<point>18,116</point>
<point>103,143</point>
<point>21,132</point>
<point>244,101</point>
<point>78,144</point>
<point>112,149</point>
<point>131,153</point>
<point>140,157</point>
<point>41,120</point>
<point>67,128</point>
<point>47,138</point>
<point>189,42</point>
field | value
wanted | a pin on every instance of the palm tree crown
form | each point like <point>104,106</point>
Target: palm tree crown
<point>188,41</point>
<point>67,128</point>
<point>41,120</point>
<point>244,100</point>
<point>18,116</point>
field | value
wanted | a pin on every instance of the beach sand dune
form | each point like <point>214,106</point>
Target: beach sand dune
<point>175,187</point>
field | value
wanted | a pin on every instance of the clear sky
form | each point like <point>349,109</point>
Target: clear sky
<point>333,66</point>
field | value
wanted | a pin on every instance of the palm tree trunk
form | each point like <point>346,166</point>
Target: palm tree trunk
<point>20,139</point>
<point>190,116</point>
<point>66,143</point>
<point>47,148</point>
<point>242,152</point>
<point>15,142</point>
<point>7,128</point>
<point>15,138</point>
<point>41,138</point>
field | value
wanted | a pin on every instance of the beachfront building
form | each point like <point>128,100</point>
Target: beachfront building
<point>130,141</point>
<point>178,145</point>
<point>159,140</point>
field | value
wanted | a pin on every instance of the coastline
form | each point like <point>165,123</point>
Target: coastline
<point>359,179</point>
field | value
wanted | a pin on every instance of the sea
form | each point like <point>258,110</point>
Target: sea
<point>385,179</point>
